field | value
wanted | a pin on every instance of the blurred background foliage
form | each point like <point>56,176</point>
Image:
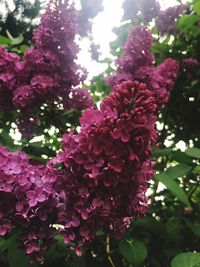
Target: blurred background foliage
<point>169,234</point>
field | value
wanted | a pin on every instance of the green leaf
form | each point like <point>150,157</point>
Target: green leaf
<point>78,262</point>
<point>194,226</point>
<point>178,171</point>
<point>158,152</point>
<point>4,40</point>
<point>196,7</point>
<point>174,187</point>
<point>134,252</point>
<point>187,21</point>
<point>58,251</point>
<point>23,48</point>
<point>6,140</point>
<point>174,229</point>
<point>106,60</point>
<point>182,157</point>
<point>196,169</point>
<point>150,225</point>
<point>100,232</point>
<point>193,152</point>
<point>196,229</point>
<point>15,41</point>
<point>187,259</point>
<point>16,256</point>
<point>3,244</point>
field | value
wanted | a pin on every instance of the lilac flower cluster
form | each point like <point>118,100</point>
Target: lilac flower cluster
<point>48,72</point>
<point>166,21</point>
<point>27,202</point>
<point>105,168</point>
<point>89,10</point>
<point>160,79</point>
<point>9,63</point>
<point>79,99</point>
<point>137,50</point>
<point>137,54</point>
<point>97,182</point>
<point>149,9</point>
<point>189,66</point>
<point>137,64</point>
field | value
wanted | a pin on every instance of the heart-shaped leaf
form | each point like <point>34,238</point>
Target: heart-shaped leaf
<point>187,259</point>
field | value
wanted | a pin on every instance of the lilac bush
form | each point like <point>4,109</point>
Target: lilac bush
<point>98,180</point>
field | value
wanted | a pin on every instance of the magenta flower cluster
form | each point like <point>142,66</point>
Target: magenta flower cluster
<point>27,202</point>
<point>160,79</point>
<point>189,66</point>
<point>106,166</point>
<point>9,63</point>
<point>97,182</point>
<point>137,64</point>
<point>48,73</point>
<point>78,99</point>
<point>166,21</point>
<point>89,10</point>
<point>148,9</point>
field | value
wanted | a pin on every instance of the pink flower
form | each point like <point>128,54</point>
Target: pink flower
<point>105,167</point>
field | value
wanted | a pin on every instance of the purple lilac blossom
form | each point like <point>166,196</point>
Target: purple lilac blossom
<point>97,182</point>
<point>106,167</point>
<point>160,79</point>
<point>79,98</point>
<point>89,10</point>
<point>48,72</point>
<point>49,68</point>
<point>137,54</point>
<point>189,66</point>
<point>166,21</point>
<point>27,201</point>
<point>8,77</point>
<point>137,64</point>
<point>149,9</point>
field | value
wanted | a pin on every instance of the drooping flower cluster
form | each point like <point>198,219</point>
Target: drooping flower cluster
<point>137,64</point>
<point>137,54</point>
<point>48,69</point>
<point>98,181</point>
<point>89,10</point>
<point>160,79</point>
<point>106,167</point>
<point>166,21</point>
<point>48,73</point>
<point>137,51</point>
<point>189,66</point>
<point>149,9</point>
<point>79,99</point>
<point>95,51</point>
<point>27,201</point>
<point>8,77</point>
